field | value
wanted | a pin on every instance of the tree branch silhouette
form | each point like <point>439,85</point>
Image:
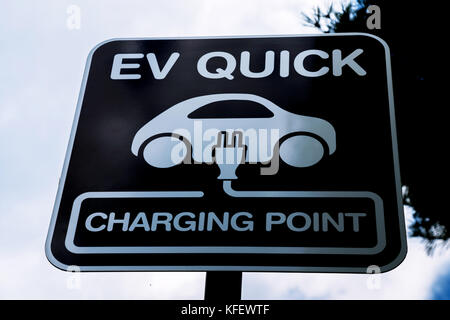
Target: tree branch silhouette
<point>406,30</point>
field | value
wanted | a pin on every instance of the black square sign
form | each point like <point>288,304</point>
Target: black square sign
<point>232,153</point>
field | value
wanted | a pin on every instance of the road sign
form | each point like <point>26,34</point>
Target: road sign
<point>265,153</point>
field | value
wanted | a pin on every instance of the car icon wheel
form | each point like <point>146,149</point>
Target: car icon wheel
<point>165,151</point>
<point>301,151</point>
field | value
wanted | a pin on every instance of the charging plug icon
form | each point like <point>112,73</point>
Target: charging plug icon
<point>228,153</point>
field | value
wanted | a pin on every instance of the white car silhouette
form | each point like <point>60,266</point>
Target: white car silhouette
<point>304,140</point>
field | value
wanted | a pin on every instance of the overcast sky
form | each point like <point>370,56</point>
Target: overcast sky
<point>42,62</point>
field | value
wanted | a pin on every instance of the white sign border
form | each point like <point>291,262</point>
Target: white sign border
<point>384,268</point>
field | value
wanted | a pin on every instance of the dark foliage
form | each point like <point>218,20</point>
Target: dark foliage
<point>418,59</point>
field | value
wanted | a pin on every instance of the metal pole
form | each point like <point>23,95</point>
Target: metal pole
<point>223,285</point>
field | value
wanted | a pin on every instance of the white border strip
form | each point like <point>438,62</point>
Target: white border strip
<point>379,224</point>
<point>383,268</point>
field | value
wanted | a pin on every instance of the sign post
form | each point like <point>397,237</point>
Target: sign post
<point>223,285</point>
<point>267,153</point>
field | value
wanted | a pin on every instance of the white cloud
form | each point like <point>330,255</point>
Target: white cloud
<point>25,272</point>
<point>27,275</point>
<point>413,279</point>
<point>39,87</point>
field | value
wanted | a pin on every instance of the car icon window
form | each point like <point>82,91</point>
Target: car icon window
<point>231,109</point>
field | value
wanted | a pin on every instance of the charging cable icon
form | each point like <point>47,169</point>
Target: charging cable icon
<point>228,153</point>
